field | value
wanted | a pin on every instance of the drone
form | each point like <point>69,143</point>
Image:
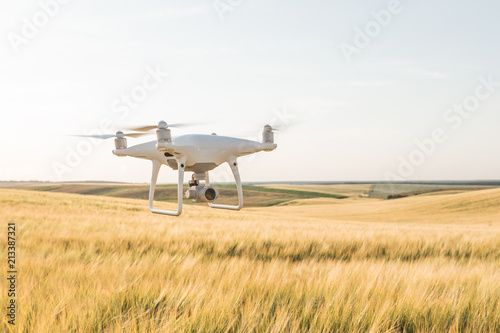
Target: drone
<point>197,153</point>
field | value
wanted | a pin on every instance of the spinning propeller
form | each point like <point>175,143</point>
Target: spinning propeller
<point>142,130</point>
<point>161,124</point>
<point>118,134</point>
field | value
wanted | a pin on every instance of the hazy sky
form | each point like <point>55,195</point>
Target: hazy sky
<point>364,81</point>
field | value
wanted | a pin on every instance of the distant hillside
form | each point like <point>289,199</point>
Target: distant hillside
<point>254,196</point>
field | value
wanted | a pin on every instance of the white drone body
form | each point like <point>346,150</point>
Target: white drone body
<point>197,153</point>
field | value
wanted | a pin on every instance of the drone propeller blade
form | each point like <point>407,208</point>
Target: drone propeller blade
<point>103,136</point>
<point>143,128</point>
<point>153,127</point>
<point>181,125</point>
<point>136,135</point>
<point>109,136</point>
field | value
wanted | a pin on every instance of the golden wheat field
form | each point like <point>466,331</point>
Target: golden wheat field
<point>427,263</point>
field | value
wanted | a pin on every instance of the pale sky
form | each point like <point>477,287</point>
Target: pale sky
<point>233,64</point>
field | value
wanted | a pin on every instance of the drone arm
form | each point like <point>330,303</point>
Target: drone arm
<point>234,168</point>
<point>154,177</point>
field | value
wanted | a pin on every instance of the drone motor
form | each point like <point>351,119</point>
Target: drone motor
<point>120,140</point>
<point>267,134</point>
<point>164,138</point>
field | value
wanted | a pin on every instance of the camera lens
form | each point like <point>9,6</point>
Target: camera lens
<point>210,194</point>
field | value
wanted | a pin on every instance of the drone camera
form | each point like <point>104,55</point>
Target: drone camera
<point>201,193</point>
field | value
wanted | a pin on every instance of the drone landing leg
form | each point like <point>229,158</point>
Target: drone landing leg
<point>234,168</point>
<point>154,177</point>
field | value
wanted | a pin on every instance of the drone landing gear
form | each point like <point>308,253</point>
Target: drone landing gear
<point>234,168</point>
<point>181,166</point>
<point>180,181</point>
